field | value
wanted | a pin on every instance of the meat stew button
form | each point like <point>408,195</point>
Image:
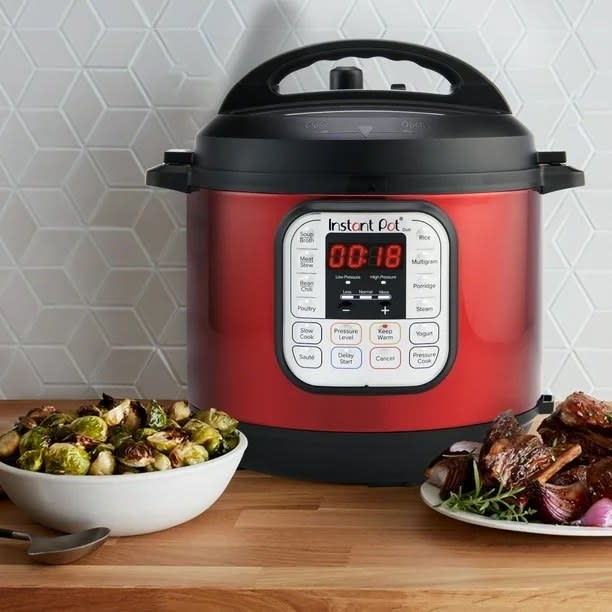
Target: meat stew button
<point>308,356</point>
<point>423,356</point>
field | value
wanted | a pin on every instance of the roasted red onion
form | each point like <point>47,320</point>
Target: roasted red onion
<point>450,472</point>
<point>466,446</point>
<point>559,503</point>
<point>599,514</point>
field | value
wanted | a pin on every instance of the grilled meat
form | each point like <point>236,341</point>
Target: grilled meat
<point>582,410</point>
<point>504,426</point>
<point>571,475</point>
<point>595,441</point>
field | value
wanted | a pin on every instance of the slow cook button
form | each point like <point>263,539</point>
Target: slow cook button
<point>345,333</point>
<point>385,358</point>
<point>424,307</point>
<point>385,333</point>
<point>346,358</point>
<point>307,236</point>
<point>308,356</point>
<point>307,333</point>
<point>423,356</point>
<point>424,333</point>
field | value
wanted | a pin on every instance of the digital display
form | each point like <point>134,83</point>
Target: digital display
<point>358,256</point>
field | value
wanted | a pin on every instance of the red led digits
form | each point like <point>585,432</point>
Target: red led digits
<point>358,256</point>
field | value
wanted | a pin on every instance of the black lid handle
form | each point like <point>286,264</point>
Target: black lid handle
<point>259,88</point>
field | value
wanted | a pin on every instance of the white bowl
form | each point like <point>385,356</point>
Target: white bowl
<point>128,504</point>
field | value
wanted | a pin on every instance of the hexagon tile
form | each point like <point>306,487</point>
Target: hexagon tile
<point>92,264</point>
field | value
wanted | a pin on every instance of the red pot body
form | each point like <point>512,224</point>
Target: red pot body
<point>231,350</point>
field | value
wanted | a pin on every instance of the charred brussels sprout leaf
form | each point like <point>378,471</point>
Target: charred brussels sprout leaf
<point>31,460</point>
<point>35,439</point>
<point>218,419</point>
<point>135,416</point>
<point>201,433</point>
<point>107,402</point>
<point>93,427</point>
<point>144,433</point>
<point>118,435</point>
<point>9,443</point>
<point>156,417</point>
<point>89,410</point>
<point>134,454</point>
<point>187,453</point>
<point>65,458</point>
<point>56,419</point>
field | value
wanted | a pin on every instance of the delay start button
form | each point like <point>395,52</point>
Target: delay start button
<point>423,356</point>
<point>346,358</point>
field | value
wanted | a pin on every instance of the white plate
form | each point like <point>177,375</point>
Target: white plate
<point>430,495</point>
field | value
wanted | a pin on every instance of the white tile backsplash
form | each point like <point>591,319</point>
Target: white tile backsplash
<point>92,263</point>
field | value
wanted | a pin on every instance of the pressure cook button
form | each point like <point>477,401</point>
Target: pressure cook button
<point>426,308</point>
<point>424,333</point>
<point>346,358</point>
<point>385,333</point>
<point>307,333</point>
<point>385,358</point>
<point>308,356</point>
<point>345,333</point>
<point>423,356</point>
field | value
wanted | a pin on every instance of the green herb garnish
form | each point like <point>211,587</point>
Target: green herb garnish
<point>493,503</point>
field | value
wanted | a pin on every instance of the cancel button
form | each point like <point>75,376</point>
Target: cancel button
<point>423,356</point>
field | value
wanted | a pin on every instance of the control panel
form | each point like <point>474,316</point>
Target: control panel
<point>365,298</point>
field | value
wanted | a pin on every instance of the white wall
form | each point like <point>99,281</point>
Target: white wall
<point>92,279</point>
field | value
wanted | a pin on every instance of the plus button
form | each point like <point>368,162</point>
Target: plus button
<point>384,310</point>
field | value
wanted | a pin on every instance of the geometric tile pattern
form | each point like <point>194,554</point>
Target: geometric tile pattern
<point>92,263</point>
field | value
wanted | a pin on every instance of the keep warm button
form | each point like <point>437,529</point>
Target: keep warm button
<point>423,356</point>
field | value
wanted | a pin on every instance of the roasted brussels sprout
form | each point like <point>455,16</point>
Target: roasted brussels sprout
<point>218,419</point>
<point>116,415</point>
<point>103,463</point>
<point>166,440</point>
<point>65,458</point>
<point>160,462</point>
<point>93,427</point>
<point>9,443</point>
<point>201,433</point>
<point>230,442</point>
<point>56,419</point>
<point>31,460</point>
<point>61,433</point>
<point>107,402</point>
<point>156,417</point>
<point>134,454</point>
<point>89,410</point>
<point>143,433</point>
<point>34,439</point>
<point>187,453</point>
<point>179,411</point>
<point>118,435</point>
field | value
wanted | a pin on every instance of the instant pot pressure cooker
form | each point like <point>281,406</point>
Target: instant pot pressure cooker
<point>363,266</point>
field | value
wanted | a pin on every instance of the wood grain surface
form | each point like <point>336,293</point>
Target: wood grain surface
<point>274,544</point>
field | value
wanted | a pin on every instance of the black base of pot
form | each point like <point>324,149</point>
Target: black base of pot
<point>381,459</point>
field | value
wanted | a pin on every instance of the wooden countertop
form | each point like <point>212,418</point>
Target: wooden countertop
<point>274,544</point>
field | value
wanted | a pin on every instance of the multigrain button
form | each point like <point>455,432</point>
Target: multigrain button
<point>346,358</point>
<point>425,261</point>
<point>385,333</point>
<point>308,356</point>
<point>345,333</point>
<point>385,358</point>
<point>307,333</point>
<point>424,333</point>
<point>423,356</point>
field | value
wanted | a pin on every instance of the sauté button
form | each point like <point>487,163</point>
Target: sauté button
<point>424,333</point>
<point>345,333</point>
<point>385,333</point>
<point>346,358</point>
<point>308,356</point>
<point>423,356</point>
<point>385,358</point>
<point>307,333</point>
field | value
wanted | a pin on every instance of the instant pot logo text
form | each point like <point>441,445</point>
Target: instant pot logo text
<point>382,225</point>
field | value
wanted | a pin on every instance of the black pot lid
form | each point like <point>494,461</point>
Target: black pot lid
<point>353,141</point>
